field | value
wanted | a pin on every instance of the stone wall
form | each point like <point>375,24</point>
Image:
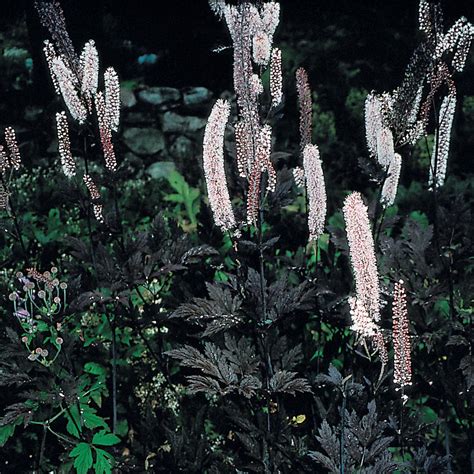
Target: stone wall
<point>163,124</point>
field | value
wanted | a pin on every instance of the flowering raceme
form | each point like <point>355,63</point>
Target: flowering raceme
<point>112,98</point>
<point>67,161</point>
<point>12,145</point>
<point>316,191</point>
<point>214,169</point>
<point>305,106</point>
<point>401,337</point>
<point>365,307</point>
<point>440,154</point>
<point>89,69</point>
<point>105,132</point>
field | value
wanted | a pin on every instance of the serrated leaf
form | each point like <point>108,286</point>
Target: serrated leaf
<point>94,368</point>
<point>104,462</point>
<point>5,433</point>
<point>83,454</point>
<point>105,439</point>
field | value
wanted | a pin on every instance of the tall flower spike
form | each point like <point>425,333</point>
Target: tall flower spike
<point>10,138</point>
<point>89,63</point>
<point>276,78</point>
<point>390,186</point>
<point>440,154</point>
<point>214,169</point>
<point>50,55</point>
<point>401,337</point>
<point>305,106</point>
<point>67,161</point>
<point>373,121</point>
<point>52,17</point>
<point>67,85</point>
<point>4,163</point>
<point>365,307</point>
<point>243,21</point>
<point>3,197</point>
<point>105,133</point>
<point>112,97</point>
<point>316,191</point>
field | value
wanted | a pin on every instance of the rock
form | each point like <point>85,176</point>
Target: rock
<point>144,141</point>
<point>161,169</point>
<point>182,148</point>
<point>159,96</point>
<point>196,96</point>
<point>127,98</point>
<point>174,123</point>
<point>137,118</point>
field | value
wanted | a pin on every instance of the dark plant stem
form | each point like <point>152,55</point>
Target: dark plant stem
<point>447,445</point>
<point>448,265</point>
<point>114,372</point>
<point>88,212</point>
<point>378,206</point>
<point>402,446</point>
<point>342,451</point>
<point>42,448</point>
<point>266,352</point>
<point>14,217</point>
<point>118,216</point>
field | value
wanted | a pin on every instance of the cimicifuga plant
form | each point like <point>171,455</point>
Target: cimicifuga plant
<point>402,117</point>
<point>244,359</point>
<point>76,80</point>
<point>65,353</point>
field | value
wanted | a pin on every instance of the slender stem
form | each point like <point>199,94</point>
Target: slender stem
<point>447,446</point>
<point>42,448</point>
<point>342,450</point>
<point>377,228</point>
<point>448,265</point>
<point>402,447</point>
<point>114,373</point>
<point>118,216</point>
<point>14,217</point>
<point>60,436</point>
<point>88,213</point>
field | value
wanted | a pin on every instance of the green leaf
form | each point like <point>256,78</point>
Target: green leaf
<point>5,433</point>
<point>94,368</point>
<point>73,416</point>
<point>442,307</point>
<point>105,439</point>
<point>104,462</point>
<point>428,415</point>
<point>122,428</point>
<point>83,454</point>
<point>91,420</point>
<point>421,218</point>
<point>174,198</point>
